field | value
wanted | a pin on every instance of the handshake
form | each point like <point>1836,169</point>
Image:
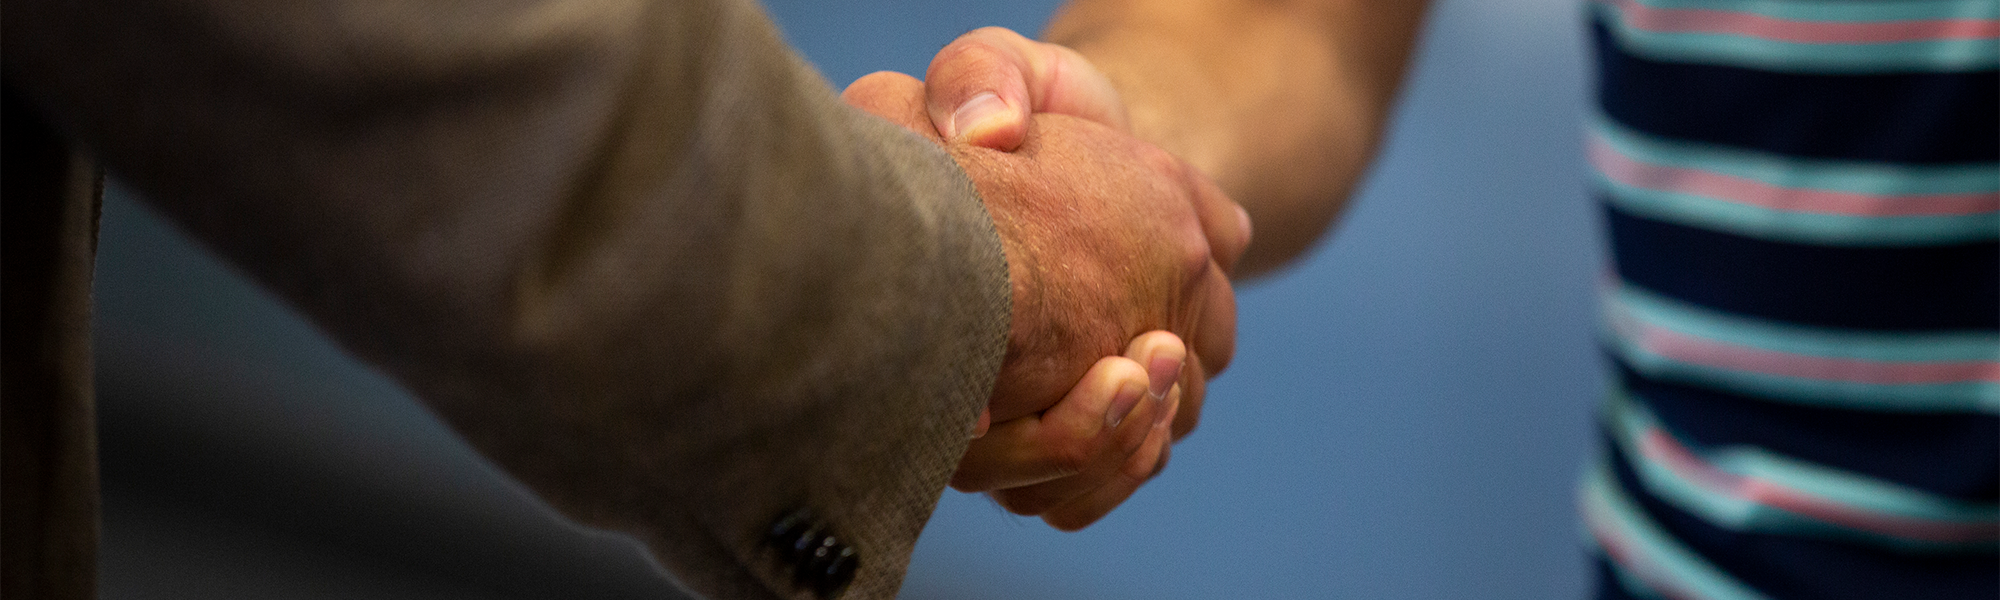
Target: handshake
<point>1111,243</point>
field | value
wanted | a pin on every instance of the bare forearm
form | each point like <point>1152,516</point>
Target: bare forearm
<point>1282,103</point>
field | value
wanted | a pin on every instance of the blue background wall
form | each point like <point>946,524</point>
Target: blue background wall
<point>1407,411</point>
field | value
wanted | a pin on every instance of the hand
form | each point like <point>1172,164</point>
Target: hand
<point>1132,254</point>
<point>983,87</point>
<point>1075,462</point>
<point>1283,104</point>
<point>1106,237</point>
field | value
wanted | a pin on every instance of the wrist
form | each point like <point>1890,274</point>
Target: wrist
<point>1171,100</point>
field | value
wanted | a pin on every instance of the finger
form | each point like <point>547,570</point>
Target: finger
<point>983,86</point>
<point>984,423</point>
<point>1226,228</point>
<point>1102,414</point>
<point>893,96</point>
<point>1089,507</point>
<point>1187,400</point>
<point>1213,337</point>
<point>1163,354</point>
<point>1113,469</point>
<point>1226,224</point>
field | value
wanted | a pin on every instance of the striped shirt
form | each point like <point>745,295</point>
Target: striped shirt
<point>1803,315</point>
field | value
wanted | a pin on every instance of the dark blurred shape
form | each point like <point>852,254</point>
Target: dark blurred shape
<point>820,561</point>
<point>218,485</point>
<point>50,483</point>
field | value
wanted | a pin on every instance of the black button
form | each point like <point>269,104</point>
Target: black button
<point>812,558</point>
<point>831,576</point>
<point>787,529</point>
<point>819,559</point>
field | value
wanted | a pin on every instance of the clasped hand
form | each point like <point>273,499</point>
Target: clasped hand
<point>1119,255</point>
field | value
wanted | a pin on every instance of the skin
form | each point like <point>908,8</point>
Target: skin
<point>1107,237</point>
<point>1282,102</point>
<point>1074,463</point>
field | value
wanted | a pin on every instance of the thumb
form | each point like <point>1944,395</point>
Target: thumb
<point>982,87</point>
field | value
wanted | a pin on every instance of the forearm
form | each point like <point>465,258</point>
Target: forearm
<point>1282,103</point>
<point>636,252</point>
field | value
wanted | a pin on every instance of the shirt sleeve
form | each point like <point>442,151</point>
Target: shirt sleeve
<point>636,252</point>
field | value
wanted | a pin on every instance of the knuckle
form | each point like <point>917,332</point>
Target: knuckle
<point>962,62</point>
<point>1132,438</point>
<point>1162,162</point>
<point>1135,475</point>
<point>970,59</point>
<point>877,83</point>
<point>1194,258</point>
<point>1157,159</point>
<point>1070,456</point>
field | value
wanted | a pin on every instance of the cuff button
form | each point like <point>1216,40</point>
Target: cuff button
<point>819,560</point>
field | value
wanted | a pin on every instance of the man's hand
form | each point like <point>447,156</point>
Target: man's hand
<point>1106,237</point>
<point>1083,457</point>
<point>981,89</point>
<point>986,87</point>
<point>1281,102</point>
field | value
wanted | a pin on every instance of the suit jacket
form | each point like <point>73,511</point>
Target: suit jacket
<point>636,252</point>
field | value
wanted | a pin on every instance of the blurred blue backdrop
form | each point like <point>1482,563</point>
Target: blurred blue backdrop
<point>1408,408</point>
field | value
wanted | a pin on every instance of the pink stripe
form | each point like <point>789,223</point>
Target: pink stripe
<point>1699,351</point>
<point>1740,190</point>
<point>1661,448</point>
<point>1675,20</point>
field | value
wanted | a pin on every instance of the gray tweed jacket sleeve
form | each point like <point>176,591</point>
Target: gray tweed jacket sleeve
<point>635,251</point>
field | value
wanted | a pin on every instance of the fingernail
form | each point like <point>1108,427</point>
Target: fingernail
<point>1162,371</point>
<point>985,422</point>
<point>1123,404</point>
<point>1243,221</point>
<point>1167,407</point>
<point>983,111</point>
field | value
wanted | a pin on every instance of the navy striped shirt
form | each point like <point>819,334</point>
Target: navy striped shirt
<point>1803,206</point>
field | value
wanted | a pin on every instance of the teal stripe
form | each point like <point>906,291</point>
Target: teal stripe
<point>1632,584</point>
<point>1791,226</point>
<point>1844,11</point>
<point>1628,304</point>
<point>1759,53</point>
<point>1630,301</point>
<point>1864,493</point>
<point>1605,504</point>
<point>1841,176</point>
<point>1969,396</point>
<point>1629,422</point>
